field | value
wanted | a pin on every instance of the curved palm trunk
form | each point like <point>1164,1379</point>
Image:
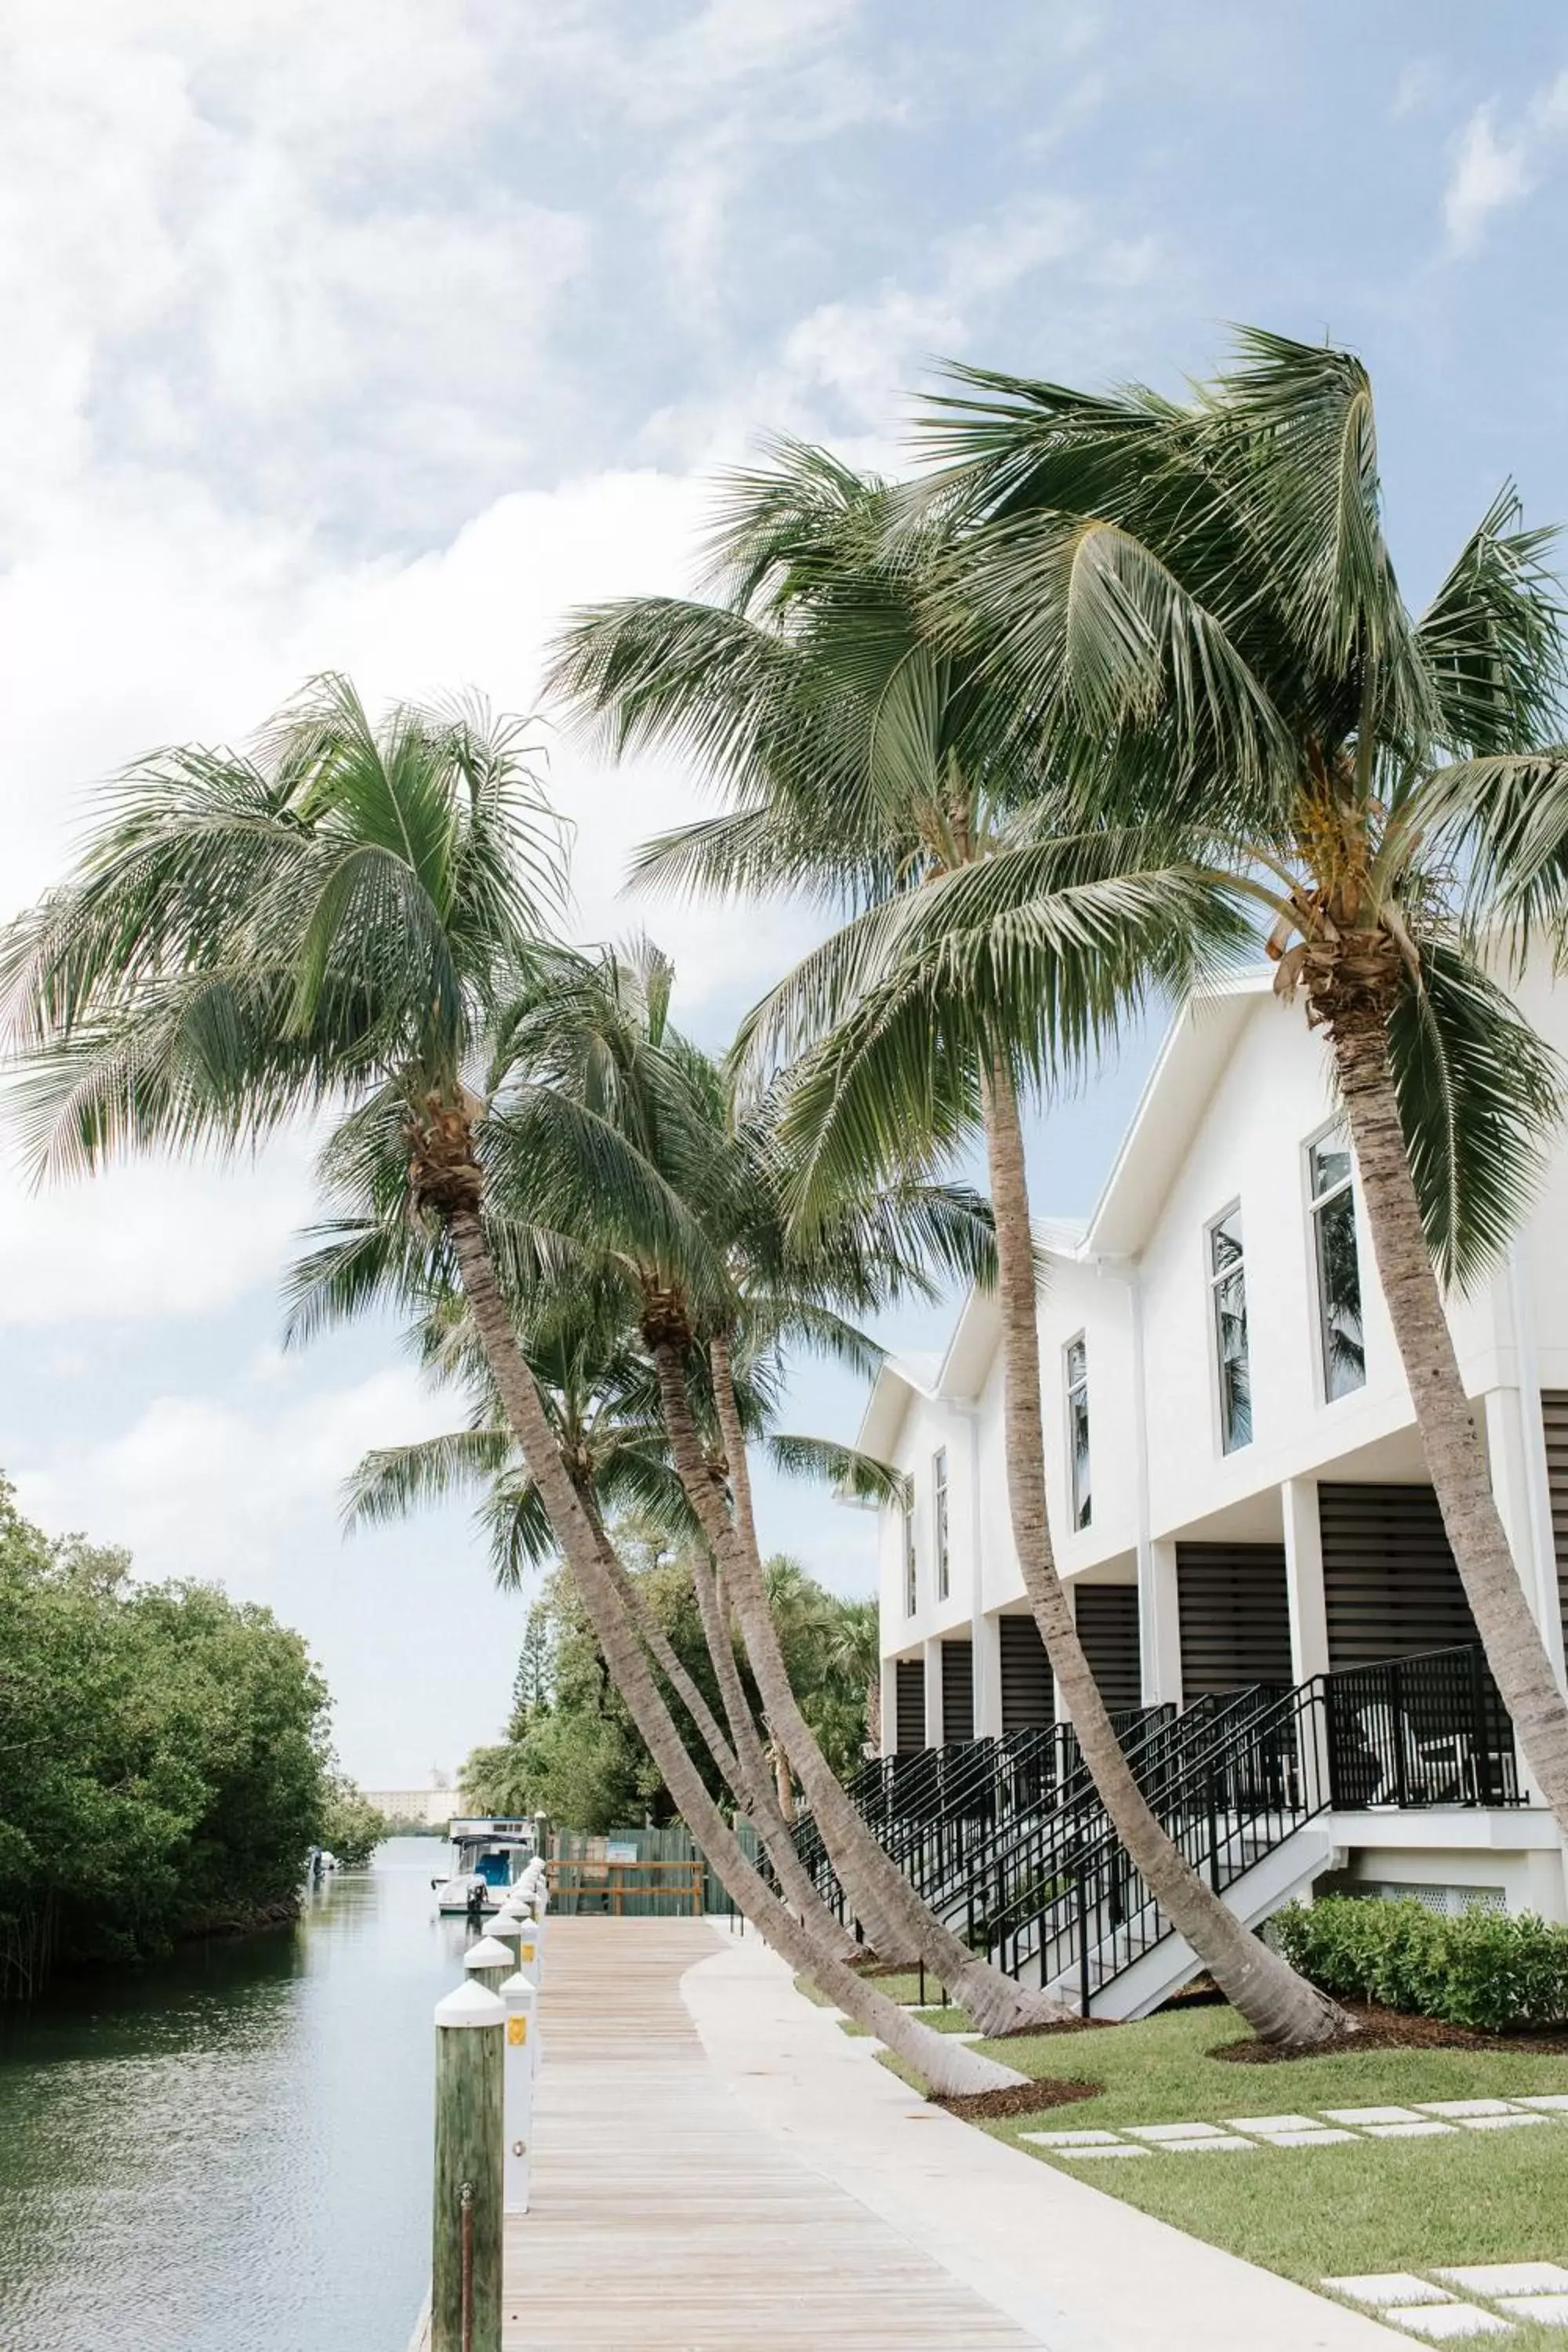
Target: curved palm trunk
<point>785,1782</point>
<point>752,1793</point>
<point>946,2066</point>
<point>738,1466</point>
<point>750,1779</point>
<point>994,2001</point>
<point>1277,2003</point>
<point>1450,1438</point>
<point>876,1925</point>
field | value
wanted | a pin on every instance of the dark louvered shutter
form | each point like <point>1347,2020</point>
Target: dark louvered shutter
<point>1029,1686</point>
<point>1390,1586</point>
<point>1234,1616</point>
<point>909,1715</point>
<point>1107,1628</point>
<point>957,1690</point>
<point>1555,1415</point>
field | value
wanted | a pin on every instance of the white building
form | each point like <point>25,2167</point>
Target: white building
<point>1237,1490</point>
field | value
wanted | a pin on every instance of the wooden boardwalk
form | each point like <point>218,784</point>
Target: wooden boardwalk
<point>664,2216</point>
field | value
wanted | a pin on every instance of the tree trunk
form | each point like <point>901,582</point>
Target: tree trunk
<point>994,2001</point>
<point>751,1789</point>
<point>1450,1437</point>
<point>947,2066</point>
<point>876,1924</point>
<point>785,1782</point>
<point>751,1781</point>
<point>874,1715</point>
<point>1278,2005</point>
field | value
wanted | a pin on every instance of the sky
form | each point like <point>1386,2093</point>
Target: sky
<point>374,337</point>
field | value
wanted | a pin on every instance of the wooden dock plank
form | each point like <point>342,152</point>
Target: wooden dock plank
<point>664,2216</point>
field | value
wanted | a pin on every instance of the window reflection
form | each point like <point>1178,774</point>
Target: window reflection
<point>1227,1278</point>
<point>1339,1266</point>
<point>1078,1431</point>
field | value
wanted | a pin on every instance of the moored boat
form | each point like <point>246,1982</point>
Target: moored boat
<point>490,1855</point>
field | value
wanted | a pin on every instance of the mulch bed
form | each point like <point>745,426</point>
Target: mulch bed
<point>1056,2025</point>
<point>1014,2099</point>
<point>1395,2029</point>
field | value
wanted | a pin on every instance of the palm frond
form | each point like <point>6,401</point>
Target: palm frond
<point>829,1464</point>
<point>1480,1097</point>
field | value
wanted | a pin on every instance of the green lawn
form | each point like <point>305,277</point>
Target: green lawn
<point>903,1988</point>
<point>1312,2212</point>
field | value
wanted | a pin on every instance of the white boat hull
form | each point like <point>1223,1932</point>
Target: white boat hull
<point>454,1896</point>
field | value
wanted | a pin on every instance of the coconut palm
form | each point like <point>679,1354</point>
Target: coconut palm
<point>610,1039</point>
<point>993,941</point>
<point>1202,592</point>
<point>602,1399</point>
<point>336,917</point>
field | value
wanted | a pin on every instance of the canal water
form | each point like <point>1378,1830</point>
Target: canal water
<point>231,2152</point>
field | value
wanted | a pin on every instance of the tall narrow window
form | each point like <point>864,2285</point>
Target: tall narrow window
<point>1339,1268</point>
<point>1078,1430</point>
<point>1228,1284</point>
<point>911,1579</point>
<point>938,1518</point>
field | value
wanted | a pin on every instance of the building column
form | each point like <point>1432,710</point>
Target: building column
<point>1518,1439</point>
<point>889,1679</point>
<point>933,1694</point>
<point>1304,1578</point>
<point>1159,1623</point>
<point>986,1636</point>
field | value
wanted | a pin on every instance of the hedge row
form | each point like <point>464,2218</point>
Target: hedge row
<point>1484,1969</point>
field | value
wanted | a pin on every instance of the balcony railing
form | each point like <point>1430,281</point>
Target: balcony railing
<point>1427,1731</point>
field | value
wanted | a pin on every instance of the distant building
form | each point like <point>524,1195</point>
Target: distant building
<point>431,1809</point>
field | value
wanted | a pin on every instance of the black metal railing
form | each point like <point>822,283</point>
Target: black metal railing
<point>939,1811</point>
<point>1427,1731</point>
<point>1008,1839</point>
<point>1227,1795</point>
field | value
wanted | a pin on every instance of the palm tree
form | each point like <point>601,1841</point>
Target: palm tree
<point>610,1040</point>
<point>875,765</point>
<point>602,1399</point>
<point>337,916</point>
<point>1203,593</point>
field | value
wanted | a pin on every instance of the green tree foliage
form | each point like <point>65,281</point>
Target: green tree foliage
<point>352,1827</point>
<point>162,1758</point>
<point>571,1750</point>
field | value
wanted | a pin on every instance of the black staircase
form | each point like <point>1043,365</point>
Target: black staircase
<point>1008,1839</point>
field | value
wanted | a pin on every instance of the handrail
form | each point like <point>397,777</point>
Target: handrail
<point>1433,1727</point>
<point>1008,1837</point>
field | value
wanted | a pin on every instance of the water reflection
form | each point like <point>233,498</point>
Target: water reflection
<point>232,2152</point>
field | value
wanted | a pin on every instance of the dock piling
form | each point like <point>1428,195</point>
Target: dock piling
<point>489,1963</point>
<point>466,2249</point>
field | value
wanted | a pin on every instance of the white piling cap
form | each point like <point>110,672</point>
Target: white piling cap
<point>519,1991</point>
<point>507,1922</point>
<point>471,2004</point>
<point>489,1952</point>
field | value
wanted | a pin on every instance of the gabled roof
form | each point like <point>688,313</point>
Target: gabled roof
<point>1187,1069</point>
<point>958,1374</point>
<point>1177,1093</point>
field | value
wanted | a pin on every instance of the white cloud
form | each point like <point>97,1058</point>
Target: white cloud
<point>197,1484</point>
<point>1498,166</point>
<point>148,1242</point>
<point>839,371</point>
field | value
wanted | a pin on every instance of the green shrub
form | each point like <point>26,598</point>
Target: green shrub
<point>1484,1969</point>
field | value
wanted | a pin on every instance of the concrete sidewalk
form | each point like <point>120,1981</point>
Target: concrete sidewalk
<point>1076,2270</point>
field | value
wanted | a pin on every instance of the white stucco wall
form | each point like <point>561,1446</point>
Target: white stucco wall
<point>1247,1143</point>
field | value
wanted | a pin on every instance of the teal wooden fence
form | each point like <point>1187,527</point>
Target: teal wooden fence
<point>631,1845</point>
